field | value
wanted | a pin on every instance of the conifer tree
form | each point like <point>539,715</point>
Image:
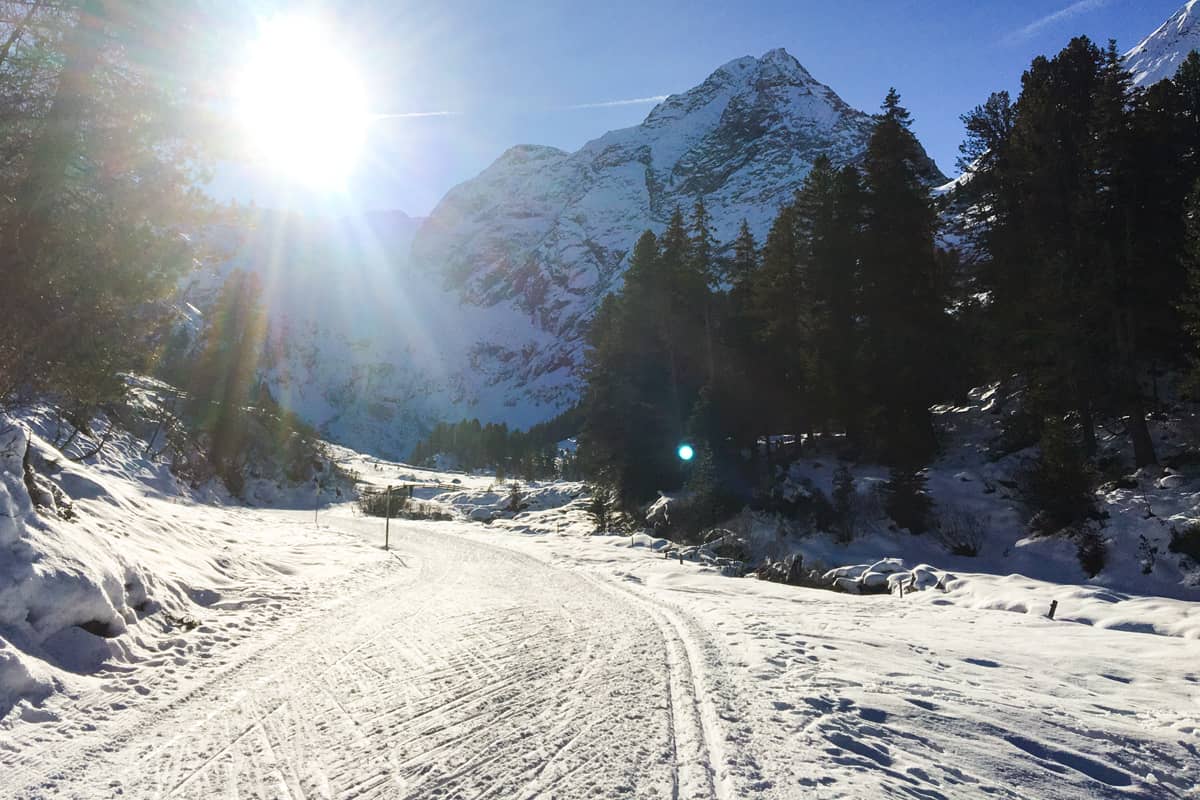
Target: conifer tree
<point>705,266</point>
<point>745,257</point>
<point>225,379</point>
<point>633,372</point>
<point>1076,188</point>
<point>101,153</point>
<point>902,302</point>
<point>1190,258</point>
<point>750,371</point>
<point>829,209</point>
<point>780,301</point>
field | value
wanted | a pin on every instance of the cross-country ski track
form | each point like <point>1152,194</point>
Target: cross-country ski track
<point>469,664</point>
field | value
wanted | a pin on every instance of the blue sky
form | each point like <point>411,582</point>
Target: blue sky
<point>512,71</point>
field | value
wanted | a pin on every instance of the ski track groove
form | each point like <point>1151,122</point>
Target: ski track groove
<point>683,669</point>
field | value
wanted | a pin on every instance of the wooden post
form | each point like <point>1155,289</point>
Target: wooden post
<point>900,584</point>
<point>1053,608</point>
<point>387,523</point>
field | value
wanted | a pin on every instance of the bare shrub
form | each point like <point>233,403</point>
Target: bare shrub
<point>960,532</point>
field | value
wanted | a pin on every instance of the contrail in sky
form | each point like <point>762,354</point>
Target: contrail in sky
<point>1073,10</point>
<point>633,101</point>
<point>414,114</point>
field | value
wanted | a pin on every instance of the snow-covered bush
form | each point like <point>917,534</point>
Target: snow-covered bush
<point>727,544</point>
<point>376,503</point>
<point>516,498</point>
<point>686,516</point>
<point>794,572</point>
<point>1019,429</point>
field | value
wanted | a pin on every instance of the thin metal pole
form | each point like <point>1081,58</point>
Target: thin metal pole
<point>387,524</point>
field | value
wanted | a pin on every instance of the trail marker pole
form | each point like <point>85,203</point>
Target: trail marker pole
<point>1053,608</point>
<point>316,500</point>
<point>387,524</point>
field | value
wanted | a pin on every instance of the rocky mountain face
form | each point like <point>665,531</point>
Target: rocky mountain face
<point>545,234</point>
<point>550,231</point>
<point>1159,55</point>
<point>337,353</point>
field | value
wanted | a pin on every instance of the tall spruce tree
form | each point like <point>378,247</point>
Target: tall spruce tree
<point>637,372</point>
<point>780,301</point>
<point>903,301</point>
<point>751,369</point>
<point>705,265</point>
<point>830,209</point>
<point>1190,259</point>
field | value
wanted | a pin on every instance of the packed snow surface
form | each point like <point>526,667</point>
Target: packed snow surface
<point>526,658</point>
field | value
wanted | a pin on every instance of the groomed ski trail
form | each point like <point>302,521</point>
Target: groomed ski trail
<point>464,670</point>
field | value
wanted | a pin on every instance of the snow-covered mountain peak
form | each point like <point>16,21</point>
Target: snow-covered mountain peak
<point>783,62</point>
<point>525,153</point>
<point>1159,55</point>
<point>741,77</point>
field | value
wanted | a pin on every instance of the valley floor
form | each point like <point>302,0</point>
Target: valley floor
<point>466,662</point>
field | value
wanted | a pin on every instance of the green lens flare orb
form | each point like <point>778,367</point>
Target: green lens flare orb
<point>686,452</point>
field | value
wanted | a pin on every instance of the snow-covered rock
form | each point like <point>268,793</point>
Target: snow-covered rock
<point>885,575</point>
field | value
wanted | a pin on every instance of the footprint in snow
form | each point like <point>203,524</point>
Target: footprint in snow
<point>983,662</point>
<point>1093,769</point>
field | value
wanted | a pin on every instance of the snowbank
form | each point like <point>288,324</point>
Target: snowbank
<point>118,559</point>
<point>1088,605</point>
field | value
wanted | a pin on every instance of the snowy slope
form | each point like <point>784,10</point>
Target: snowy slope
<point>358,346</point>
<point>338,353</point>
<point>1159,55</point>
<point>122,578</point>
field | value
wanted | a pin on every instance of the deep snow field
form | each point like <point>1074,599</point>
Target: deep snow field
<point>168,642</point>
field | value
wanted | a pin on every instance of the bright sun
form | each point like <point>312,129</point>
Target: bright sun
<point>302,106</point>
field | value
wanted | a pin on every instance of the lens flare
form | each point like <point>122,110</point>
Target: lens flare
<point>686,453</point>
